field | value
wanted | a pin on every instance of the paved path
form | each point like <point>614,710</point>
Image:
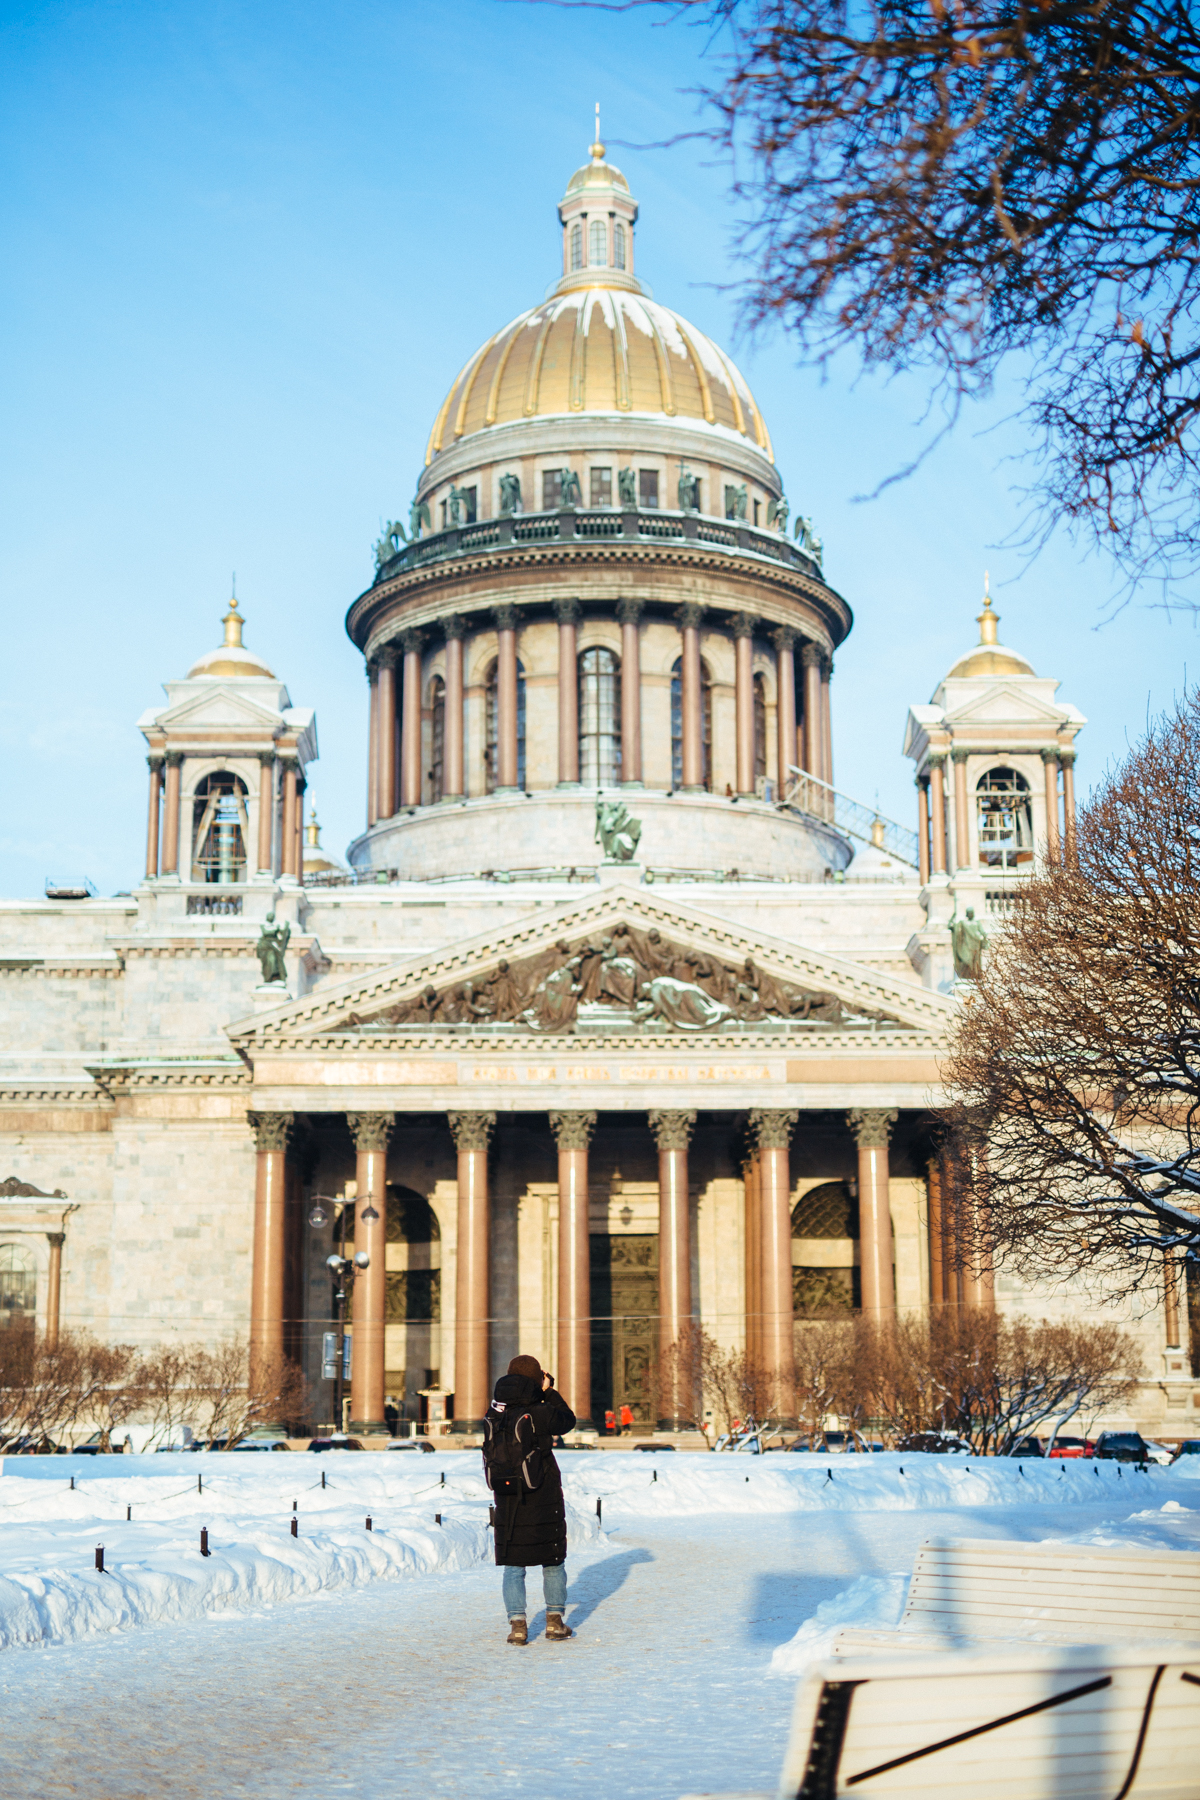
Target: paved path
<point>409,1688</point>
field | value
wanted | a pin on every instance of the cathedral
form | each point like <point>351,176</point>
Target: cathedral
<point>619,1014</point>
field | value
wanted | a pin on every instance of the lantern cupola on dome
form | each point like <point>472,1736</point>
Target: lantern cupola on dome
<point>598,214</point>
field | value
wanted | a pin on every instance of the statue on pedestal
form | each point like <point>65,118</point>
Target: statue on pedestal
<point>272,943</point>
<point>617,830</point>
<point>969,941</point>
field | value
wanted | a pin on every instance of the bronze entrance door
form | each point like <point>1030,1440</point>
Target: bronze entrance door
<point>624,1324</point>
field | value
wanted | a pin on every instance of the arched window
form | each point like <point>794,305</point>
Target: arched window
<point>760,730</point>
<point>18,1286</point>
<point>221,830</point>
<point>437,738</point>
<point>826,1290</point>
<point>599,718</point>
<point>1005,817</point>
<point>618,245</point>
<point>677,724</point>
<point>492,726</point>
<point>577,244</point>
<point>598,244</point>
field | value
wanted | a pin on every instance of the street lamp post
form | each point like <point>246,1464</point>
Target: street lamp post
<point>344,1269</point>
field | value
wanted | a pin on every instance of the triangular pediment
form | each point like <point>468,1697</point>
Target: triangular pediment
<point>625,956</point>
<point>220,707</point>
<point>1008,702</point>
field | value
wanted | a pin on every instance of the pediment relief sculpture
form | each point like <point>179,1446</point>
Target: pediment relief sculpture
<point>627,976</point>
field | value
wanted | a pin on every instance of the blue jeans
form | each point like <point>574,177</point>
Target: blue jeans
<point>554,1587</point>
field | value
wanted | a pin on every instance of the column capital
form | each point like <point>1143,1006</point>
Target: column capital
<point>690,615</point>
<point>568,612</point>
<point>629,611</point>
<point>936,760</point>
<point>371,1131</point>
<point>784,637</point>
<point>572,1130</point>
<point>56,1239</point>
<point>1067,758</point>
<point>871,1126</point>
<point>412,642</point>
<point>958,755</point>
<point>672,1130</point>
<point>454,627</point>
<point>743,625</point>
<point>811,655</point>
<point>1051,756</point>
<point>506,617</point>
<point>271,1130</point>
<point>154,761</point>
<point>174,759</point>
<point>371,667</point>
<point>471,1130</point>
<point>267,758</point>
<point>826,665</point>
<point>772,1127</point>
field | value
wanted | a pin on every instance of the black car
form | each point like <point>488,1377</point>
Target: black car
<point>1189,1447</point>
<point>335,1443</point>
<point>935,1443</point>
<point>654,1447</point>
<point>1027,1446</point>
<point>1121,1446</point>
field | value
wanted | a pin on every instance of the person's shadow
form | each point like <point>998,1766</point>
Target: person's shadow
<point>599,1582</point>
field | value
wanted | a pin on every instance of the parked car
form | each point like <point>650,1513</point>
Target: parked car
<point>654,1446</point>
<point>1122,1446</point>
<point>96,1446</point>
<point>935,1443</point>
<point>1072,1446</point>
<point>335,1443</point>
<point>1027,1446</point>
<point>1159,1453</point>
<point>410,1444</point>
<point>260,1444</point>
<point>1189,1447</point>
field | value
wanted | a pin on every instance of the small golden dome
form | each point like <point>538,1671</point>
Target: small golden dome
<point>231,658</point>
<point>315,860</point>
<point>989,657</point>
<point>598,349</point>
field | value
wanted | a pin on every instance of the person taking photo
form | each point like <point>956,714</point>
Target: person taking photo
<point>525,1417</point>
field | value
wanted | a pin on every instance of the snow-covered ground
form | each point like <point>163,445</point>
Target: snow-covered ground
<point>374,1663</point>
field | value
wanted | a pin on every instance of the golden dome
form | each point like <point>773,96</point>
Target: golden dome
<point>598,349</point>
<point>231,658</point>
<point>315,860</point>
<point>989,656</point>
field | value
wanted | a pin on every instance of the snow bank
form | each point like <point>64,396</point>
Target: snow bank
<point>676,1485</point>
<point>873,1602</point>
<point>51,1592</point>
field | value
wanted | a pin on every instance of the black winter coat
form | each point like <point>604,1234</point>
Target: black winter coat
<point>531,1526</point>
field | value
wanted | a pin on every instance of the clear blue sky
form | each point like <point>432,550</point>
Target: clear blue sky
<point>247,247</point>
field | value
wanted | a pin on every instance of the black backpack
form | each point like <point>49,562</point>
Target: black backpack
<point>512,1457</point>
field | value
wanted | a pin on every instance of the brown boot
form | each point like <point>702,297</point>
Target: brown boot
<point>518,1631</point>
<point>557,1628</point>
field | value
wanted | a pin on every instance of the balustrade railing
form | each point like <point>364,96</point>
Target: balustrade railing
<point>591,522</point>
<point>807,794</point>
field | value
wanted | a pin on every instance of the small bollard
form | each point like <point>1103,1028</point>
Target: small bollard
<point>100,1557</point>
<point>902,1468</point>
<point>443,1477</point>
<point>128,1512</point>
<point>200,1484</point>
<point>437,1518</point>
<point>654,1474</point>
<point>370,1527</point>
<point>598,1514</point>
<point>829,1474</point>
<point>204,1549</point>
<point>295,1508</point>
<point>295,1526</point>
<point>322,1478</point>
<point>72,1484</point>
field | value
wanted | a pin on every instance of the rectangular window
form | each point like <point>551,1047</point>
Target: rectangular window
<point>601,488</point>
<point>756,512</point>
<point>647,487</point>
<point>470,512</point>
<point>551,489</point>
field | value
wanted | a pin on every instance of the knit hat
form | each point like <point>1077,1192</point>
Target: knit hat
<point>528,1366</point>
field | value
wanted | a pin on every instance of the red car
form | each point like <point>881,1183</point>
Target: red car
<point>1072,1446</point>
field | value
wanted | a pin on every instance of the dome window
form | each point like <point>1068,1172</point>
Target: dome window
<point>1005,819</point>
<point>18,1287</point>
<point>577,245</point>
<point>221,829</point>
<point>599,718</point>
<point>647,487</point>
<point>677,724</point>
<point>618,245</point>
<point>600,485</point>
<point>598,244</point>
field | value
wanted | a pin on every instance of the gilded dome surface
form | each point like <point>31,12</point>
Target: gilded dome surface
<point>598,349</point>
<point>990,656</point>
<point>231,658</point>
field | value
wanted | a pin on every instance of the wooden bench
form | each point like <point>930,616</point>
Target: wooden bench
<point>1085,1723</point>
<point>977,1591</point>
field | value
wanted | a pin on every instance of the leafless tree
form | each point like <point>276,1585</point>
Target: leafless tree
<point>48,1390</point>
<point>230,1397</point>
<point>824,1371</point>
<point>164,1379</point>
<point>946,184</point>
<point>1076,1062</point>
